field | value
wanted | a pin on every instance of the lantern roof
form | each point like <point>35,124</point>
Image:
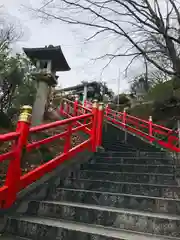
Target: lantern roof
<point>53,53</point>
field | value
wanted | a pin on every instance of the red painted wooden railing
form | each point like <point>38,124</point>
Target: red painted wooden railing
<point>69,108</point>
<point>146,129</point>
<point>149,131</point>
<point>79,119</point>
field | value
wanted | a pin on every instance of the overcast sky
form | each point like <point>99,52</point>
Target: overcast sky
<point>37,34</point>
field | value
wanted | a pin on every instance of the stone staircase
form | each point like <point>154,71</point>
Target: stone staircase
<point>113,138</point>
<point>115,195</point>
<point>125,193</point>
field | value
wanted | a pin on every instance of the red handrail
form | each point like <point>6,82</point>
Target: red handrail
<point>15,181</point>
<point>145,129</point>
<point>9,136</point>
<point>148,130</point>
<point>78,118</point>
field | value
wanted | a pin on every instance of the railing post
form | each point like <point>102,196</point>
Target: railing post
<point>67,108</point>
<point>124,125</point>
<point>76,105</point>
<point>61,108</point>
<point>124,118</point>
<point>178,129</point>
<point>14,169</point>
<point>94,125</point>
<point>107,109</point>
<point>150,127</point>
<point>84,111</point>
<point>100,117</point>
<point>67,145</point>
<point>85,103</point>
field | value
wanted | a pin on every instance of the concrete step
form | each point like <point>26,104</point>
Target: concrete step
<point>161,224</point>
<point>12,237</point>
<point>119,200</point>
<point>38,228</point>
<point>156,178</point>
<point>129,167</point>
<point>132,160</point>
<point>115,147</point>
<point>134,153</point>
<point>153,190</point>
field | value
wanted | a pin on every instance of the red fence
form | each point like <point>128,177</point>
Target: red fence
<point>154,133</point>
<point>69,108</point>
<point>87,118</point>
<point>15,181</point>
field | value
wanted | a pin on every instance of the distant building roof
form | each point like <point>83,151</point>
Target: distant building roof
<point>50,52</point>
<point>79,87</point>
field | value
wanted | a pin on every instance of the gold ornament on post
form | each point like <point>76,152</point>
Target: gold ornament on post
<point>26,114</point>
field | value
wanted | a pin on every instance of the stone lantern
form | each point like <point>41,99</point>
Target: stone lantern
<point>47,62</point>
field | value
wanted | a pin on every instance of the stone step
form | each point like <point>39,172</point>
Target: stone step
<point>135,153</point>
<point>126,176</point>
<point>115,147</point>
<point>160,224</point>
<point>132,160</point>
<point>129,167</point>
<point>119,200</point>
<point>12,237</point>
<point>38,228</point>
<point>114,143</point>
<point>155,152</point>
<point>153,190</point>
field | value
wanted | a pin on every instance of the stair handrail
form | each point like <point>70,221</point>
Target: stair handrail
<point>146,129</point>
<point>15,181</point>
<point>152,132</point>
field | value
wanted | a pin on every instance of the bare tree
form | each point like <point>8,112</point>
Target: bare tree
<point>151,27</point>
<point>9,31</point>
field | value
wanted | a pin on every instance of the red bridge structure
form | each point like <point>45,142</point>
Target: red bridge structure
<point>123,169</point>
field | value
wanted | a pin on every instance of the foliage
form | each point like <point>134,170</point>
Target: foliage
<point>121,99</point>
<point>16,84</point>
<point>157,99</point>
<point>160,91</point>
<point>145,83</point>
<point>142,110</point>
<point>166,109</point>
<point>163,102</point>
<point>165,99</point>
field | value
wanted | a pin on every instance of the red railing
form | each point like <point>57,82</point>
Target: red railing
<point>146,129</point>
<point>87,118</point>
<point>15,181</point>
<point>149,131</point>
